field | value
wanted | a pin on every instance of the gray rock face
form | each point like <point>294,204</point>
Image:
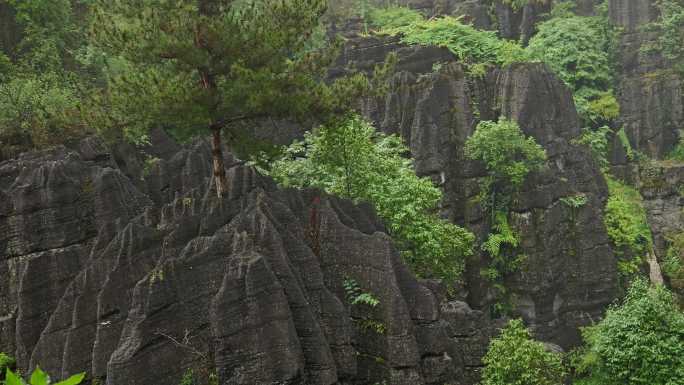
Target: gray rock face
<point>661,188</point>
<point>570,274</point>
<point>137,287</point>
<point>649,91</point>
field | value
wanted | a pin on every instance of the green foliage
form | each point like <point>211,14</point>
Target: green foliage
<point>514,358</point>
<point>670,31</point>
<point>350,159</point>
<point>624,140</point>
<point>192,378</point>
<point>393,17</point>
<point>38,377</point>
<point>188,378</point>
<point>6,362</point>
<point>40,86</point>
<point>508,156</point>
<point>501,246</point>
<point>627,225</point>
<point>640,342</point>
<point>580,51</point>
<point>471,46</point>
<point>517,5</point>
<point>677,153</point>
<point>188,65</point>
<point>356,296</point>
<point>575,201</point>
<point>673,263</point>
<point>597,141</point>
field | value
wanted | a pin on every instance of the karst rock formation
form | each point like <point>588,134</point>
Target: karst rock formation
<point>134,274</point>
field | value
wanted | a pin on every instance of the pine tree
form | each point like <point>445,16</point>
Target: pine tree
<point>199,66</point>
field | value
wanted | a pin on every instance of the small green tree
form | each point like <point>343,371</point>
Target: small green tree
<point>508,156</point>
<point>203,66</point>
<point>514,358</point>
<point>580,51</point>
<point>350,159</point>
<point>640,342</point>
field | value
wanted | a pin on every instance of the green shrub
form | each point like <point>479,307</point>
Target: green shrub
<point>673,263</point>
<point>670,32</point>
<point>597,141</point>
<point>640,342</point>
<point>580,51</point>
<point>470,45</point>
<point>508,156</point>
<point>6,362</point>
<point>677,153</point>
<point>350,159</point>
<point>627,225</point>
<point>393,17</point>
<point>514,358</point>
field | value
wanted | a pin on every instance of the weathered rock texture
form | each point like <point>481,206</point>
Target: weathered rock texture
<point>570,273</point>
<point>662,187</point>
<point>137,284</point>
<point>649,91</point>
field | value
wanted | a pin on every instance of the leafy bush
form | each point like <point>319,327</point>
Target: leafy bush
<point>39,87</point>
<point>41,378</point>
<point>673,263</point>
<point>579,50</point>
<point>470,45</point>
<point>393,17</point>
<point>640,342</point>
<point>597,141</point>
<point>677,153</point>
<point>350,159</point>
<point>627,225</point>
<point>669,26</point>
<point>38,111</point>
<point>6,362</point>
<point>514,358</point>
<point>508,156</point>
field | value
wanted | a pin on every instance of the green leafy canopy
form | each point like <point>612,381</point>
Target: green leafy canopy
<point>514,358</point>
<point>640,342</point>
<point>350,159</point>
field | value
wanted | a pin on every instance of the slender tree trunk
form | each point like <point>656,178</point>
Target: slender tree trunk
<point>218,166</point>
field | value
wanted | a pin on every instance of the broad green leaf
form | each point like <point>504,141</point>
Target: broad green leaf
<point>73,380</point>
<point>12,379</point>
<point>39,377</point>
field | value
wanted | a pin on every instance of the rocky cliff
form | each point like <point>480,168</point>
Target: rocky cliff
<point>134,274</point>
<point>133,271</point>
<point>136,284</point>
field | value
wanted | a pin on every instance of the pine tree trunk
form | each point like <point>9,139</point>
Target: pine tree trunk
<point>219,168</point>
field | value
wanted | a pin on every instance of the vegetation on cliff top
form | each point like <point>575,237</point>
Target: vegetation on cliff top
<point>351,159</point>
